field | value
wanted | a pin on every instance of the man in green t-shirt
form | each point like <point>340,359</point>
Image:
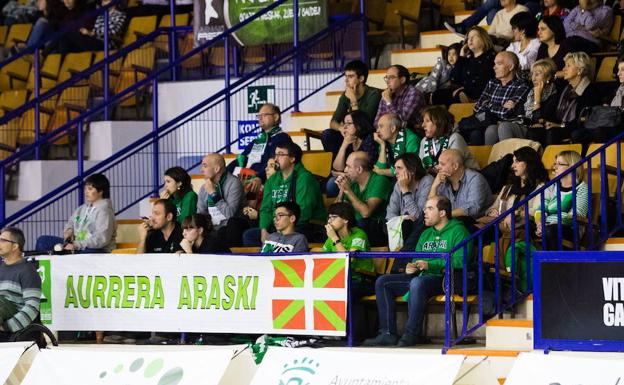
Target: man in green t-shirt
<point>394,140</point>
<point>344,236</point>
<point>357,96</point>
<point>368,193</point>
<point>291,183</point>
<point>423,278</point>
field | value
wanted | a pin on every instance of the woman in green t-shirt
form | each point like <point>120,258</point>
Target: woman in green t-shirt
<point>179,190</point>
<point>344,236</point>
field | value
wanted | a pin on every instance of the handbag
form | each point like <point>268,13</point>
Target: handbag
<point>598,117</point>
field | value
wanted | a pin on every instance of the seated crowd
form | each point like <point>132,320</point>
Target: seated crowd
<point>401,165</point>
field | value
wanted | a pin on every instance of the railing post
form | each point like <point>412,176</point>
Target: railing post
<point>296,63</point>
<point>173,54</point>
<point>447,302</point>
<point>2,194</point>
<point>228,113</point>
<point>105,75</point>
<point>364,29</point>
<point>155,152</point>
<point>80,156</point>
<point>37,104</point>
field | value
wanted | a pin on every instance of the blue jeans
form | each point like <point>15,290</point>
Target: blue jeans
<point>421,289</point>
<point>40,30</point>
<point>487,9</point>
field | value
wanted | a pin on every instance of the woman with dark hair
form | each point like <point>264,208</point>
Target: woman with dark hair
<point>357,132</point>
<point>525,44</point>
<point>438,125</point>
<point>474,68</point>
<point>551,34</point>
<point>198,238</point>
<point>179,190</point>
<point>91,228</point>
<point>344,236</point>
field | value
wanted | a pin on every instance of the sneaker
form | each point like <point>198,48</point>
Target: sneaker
<point>457,29</point>
<point>382,339</point>
<point>411,340</point>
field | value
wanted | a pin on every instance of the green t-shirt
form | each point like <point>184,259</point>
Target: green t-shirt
<point>378,186</point>
<point>367,103</point>
<point>186,206</point>
<point>356,241</point>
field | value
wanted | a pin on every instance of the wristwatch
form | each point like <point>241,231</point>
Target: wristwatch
<point>336,242</point>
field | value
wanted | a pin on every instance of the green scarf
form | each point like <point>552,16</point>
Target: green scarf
<point>431,159</point>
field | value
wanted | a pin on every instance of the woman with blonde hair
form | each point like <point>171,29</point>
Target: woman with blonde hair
<point>563,161</point>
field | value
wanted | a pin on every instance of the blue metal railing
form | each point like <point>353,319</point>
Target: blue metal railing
<point>580,238</point>
<point>155,149</point>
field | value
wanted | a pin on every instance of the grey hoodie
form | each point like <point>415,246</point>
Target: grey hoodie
<point>94,226</point>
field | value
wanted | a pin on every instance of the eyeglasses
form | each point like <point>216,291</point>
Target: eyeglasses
<point>279,216</point>
<point>331,217</point>
<point>389,77</point>
<point>260,116</point>
<point>7,240</point>
<point>276,154</point>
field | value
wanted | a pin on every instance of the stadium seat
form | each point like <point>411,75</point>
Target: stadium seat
<point>317,162</point>
<point>611,167</point>
<point>3,34</point>
<point>96,79</point>
<point>27,121</point>
<point>162,41</point>
<point>49,72</point>
<point>71,103</point>
<point>15,74</point>
<point>139,27</point>
<point>8,139</point>
<point>605,71</point>
<point>73,63</point>
<point>12,99</point>
<point>481,154</point>
<point>18,33</point>
<point>461,110</point>
<point>548,157</point>
<point>136,67</point>
<point>508,146</point>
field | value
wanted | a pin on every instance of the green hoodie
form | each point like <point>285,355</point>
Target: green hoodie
<point>443,240</point>
<point>307,196</point>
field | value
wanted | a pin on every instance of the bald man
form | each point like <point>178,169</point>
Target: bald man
<point>503,99</point>
<point>394,140</point>
<point>368,193</point>
<point>222,194</point>
<point>466,189</point>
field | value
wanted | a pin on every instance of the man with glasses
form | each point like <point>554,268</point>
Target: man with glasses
<point>400,98</point>
<point>357,96</point>
<point>20,285</point>
<point>291,183</point>
<point>285,239</point>
<point>258,152</point>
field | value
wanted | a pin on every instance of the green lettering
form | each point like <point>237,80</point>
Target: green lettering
<point>99,291</point>
<point>199,292</point>
<point>128,292</point>
<point>159,296</point>
<point>185,293</point>
<point>241,293</point>
<point>254,292</point>
<point>83,297</point>
<point>114,292</point>
<point>143,288</point>
<point>70,293</point>
<point>215,293</point>
<point>228,292</point>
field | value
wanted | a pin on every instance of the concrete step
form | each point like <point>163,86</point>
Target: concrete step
<point>311,120</point>
<point>525,309</point>
<point>485,366</point>
<point>375,77</point>
<point>432,39</point>
<point>419,57</point>
<point>614,244</point>
<point>509,334</point>
<point>331,100</point>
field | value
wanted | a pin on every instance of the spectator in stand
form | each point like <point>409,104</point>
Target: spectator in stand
<point>525,43</point>
<point>52,13</point>
<point>488,9</point>
<point>179,190</point>
<point>586,24</point>
<point>618,98</point>
<point>552,8</point>
<point>357,132</point>
<point>410,193</point>
<point>77,11</point>
<point>576,95</point>
<point>541,104</point>
<point>423,278</point>
<point>439,135</point>
<point>92,227</point>
<point>549,212</point>
<point>467,190</point>
<point>292,182</point>
<point>440,75</point>
<point>222,196</point>
<point>24,13</point>
<point>93,39</point>
<point>344,236</point>
<point>368,193</point>
<point>285,239</point>
<point>394,140</point>
<point>472,71</point>
<point>551,34</point>
<point>198,238</point>
<point>502,99</point>
<point>501,27</point>
<point>160,233</point>
<point>20,285</point>
<point>257,153</point>
<point>400,98</point>
<point>356,97</point>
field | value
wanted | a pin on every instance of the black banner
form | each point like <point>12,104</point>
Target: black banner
<point>582,301</point>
